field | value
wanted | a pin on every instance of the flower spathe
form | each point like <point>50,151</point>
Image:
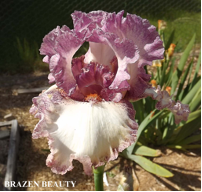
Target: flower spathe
<point>87,115</point>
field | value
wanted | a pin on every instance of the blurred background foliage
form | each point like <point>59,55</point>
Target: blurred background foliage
<point>25,22</point>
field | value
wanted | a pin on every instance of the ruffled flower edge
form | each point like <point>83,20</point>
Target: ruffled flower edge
<point>44,107</point>
<point>134,41</point>
<point>59,47</point>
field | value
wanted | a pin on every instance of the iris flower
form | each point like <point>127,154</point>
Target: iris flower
<point>87,115</point>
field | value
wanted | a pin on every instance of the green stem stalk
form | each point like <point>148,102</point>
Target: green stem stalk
<point>98,177</point>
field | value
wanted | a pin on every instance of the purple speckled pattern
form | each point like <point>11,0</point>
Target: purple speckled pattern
<point>180,111</point>
<point>89,102</point>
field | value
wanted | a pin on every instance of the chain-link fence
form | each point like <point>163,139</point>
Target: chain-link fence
<point>32,19</point>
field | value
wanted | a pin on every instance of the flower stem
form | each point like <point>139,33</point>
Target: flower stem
<point>98,177</point>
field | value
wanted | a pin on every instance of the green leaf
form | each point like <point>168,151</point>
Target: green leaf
<point>187,129</point>
<point>149,105</point>
<point>196,102</point>
<point>170,40</point>
<point>194,115</point>
<point>192,93</point>
<point>146,151</point>
<point>162,80</point>
<point>178,72</point>
<point>158,75</point>
<point>190,75</point>
<point>194,81</point>
<point>182,82</point>
<point>149,166</point>
<point>198,65</point>
<point>187,89</point>
<point>147,121</point>
<point>186,53</point>
<point>167,134</point>
<point>148,134</point>
<point>169,75</point>
<point>191,139</point>
<point>138,106</point>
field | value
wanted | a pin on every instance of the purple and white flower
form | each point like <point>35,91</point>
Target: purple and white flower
<point>87,115</point>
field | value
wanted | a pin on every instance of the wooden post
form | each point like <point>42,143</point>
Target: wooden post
<point>12,155</point>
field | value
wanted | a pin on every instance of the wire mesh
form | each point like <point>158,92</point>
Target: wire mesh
<point>32,19</point>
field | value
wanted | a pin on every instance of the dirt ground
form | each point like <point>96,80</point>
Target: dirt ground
<point>32,154</point>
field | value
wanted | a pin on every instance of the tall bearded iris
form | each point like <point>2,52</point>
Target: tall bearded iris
<point>87,115</point>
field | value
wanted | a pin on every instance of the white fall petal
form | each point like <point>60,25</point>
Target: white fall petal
<point>92,133</point>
